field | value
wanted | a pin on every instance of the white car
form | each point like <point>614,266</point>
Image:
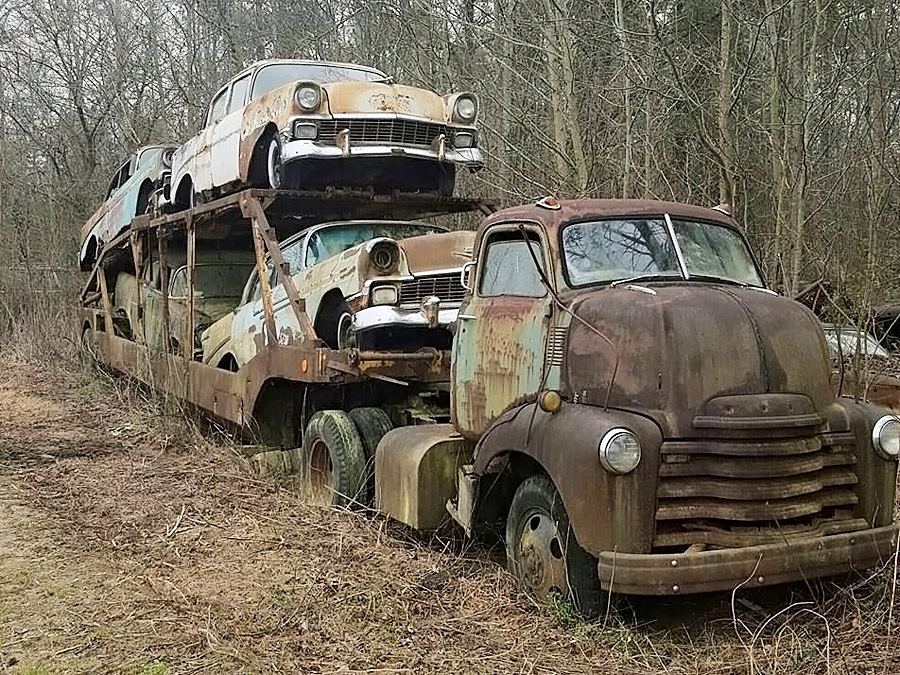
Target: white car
<point>294,124</point>
<point>374,284</point>
<point>846,341</point>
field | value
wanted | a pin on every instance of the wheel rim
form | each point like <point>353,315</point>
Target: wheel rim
<point>346,338</point>
<point>274,164</point>
<point>540,556</point>
<point>319,473</point>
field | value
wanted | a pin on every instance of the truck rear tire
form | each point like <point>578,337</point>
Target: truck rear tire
<point>541,551</point>
<point>332,460</point>
<point>372,424</point>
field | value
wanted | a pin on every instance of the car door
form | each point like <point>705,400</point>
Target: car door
<point>200,165</point>
<point>226,136</point>
<point>498,349</point>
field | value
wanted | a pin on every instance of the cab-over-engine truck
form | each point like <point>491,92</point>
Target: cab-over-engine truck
<point>623,391</point>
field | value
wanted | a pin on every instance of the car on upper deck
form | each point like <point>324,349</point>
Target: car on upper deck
<point>372,284</point>
<point>297,124</point>
<point>133,190</point>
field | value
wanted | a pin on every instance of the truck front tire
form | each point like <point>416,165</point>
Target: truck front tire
<point>332,460</point>
<point>541,551</point>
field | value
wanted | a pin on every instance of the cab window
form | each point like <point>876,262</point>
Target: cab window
<point>508,267</point>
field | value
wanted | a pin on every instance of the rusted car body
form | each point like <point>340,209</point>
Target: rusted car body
<point>291,124</point>
<point>133,190</point>
<point>624,362</point>
<point>218,277</point>
<point>372,284</point>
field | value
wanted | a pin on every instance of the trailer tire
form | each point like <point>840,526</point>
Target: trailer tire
<point>88,348</point>
<point>332,460</point>
<point>541,551</point>
<point>372,424</point>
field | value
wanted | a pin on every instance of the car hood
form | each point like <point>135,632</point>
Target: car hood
<point>438,252</point>
<point>379,97</point>
<point>679,351</point>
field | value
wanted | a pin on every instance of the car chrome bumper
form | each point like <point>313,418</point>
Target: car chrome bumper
<point>751,566</point>
<point>389,316</point>
<point>298,149</point>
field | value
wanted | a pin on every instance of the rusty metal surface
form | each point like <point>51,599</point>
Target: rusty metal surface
<point>751,566</point>
<point>433,252</point>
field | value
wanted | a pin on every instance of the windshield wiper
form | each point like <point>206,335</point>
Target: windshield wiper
<point>647,277</point>
<point>721,280</point>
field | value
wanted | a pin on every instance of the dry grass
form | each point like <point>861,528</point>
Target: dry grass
<point>134,544</point>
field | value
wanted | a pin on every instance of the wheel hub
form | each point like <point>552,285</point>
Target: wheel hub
<point>541,561</point>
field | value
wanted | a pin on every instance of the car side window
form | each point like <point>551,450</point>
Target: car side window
<point>508,267</point>
<point>218,107</point>
<point>238,93</point>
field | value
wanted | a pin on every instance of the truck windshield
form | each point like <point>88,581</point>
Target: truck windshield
<point>277,74</point>
<point>606,251</point>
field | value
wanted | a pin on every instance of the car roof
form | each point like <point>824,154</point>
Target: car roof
<point>306,62</point>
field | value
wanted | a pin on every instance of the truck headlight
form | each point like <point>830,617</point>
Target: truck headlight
<point>384,295</point>
<point>308,96</point>
<point>620,451</point>
<point>886,437</point>
<point>466,108</point>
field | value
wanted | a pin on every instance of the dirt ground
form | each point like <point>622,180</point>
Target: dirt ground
<point>132,543</point>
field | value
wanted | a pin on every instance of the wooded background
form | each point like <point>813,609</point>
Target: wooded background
<point>786,110</point>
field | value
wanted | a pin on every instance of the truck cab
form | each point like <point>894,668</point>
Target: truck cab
<point>645,414</point>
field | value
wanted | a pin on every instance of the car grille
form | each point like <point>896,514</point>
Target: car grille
<point>389,131</point>
<point>447,287</point>
<point>725,492</point>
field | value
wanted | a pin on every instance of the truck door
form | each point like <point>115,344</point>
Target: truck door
<point>498,349</point>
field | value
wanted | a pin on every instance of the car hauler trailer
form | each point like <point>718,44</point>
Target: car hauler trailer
<point>623,394</point>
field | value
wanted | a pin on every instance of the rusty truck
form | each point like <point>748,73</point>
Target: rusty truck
<point>623,396</point>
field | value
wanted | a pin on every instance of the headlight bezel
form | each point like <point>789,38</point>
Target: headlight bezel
<point>878,440</point>
<point>308,105</point>
<point>612,465</point>
<point>463,99</point>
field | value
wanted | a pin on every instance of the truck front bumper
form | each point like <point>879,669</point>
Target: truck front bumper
<point>765,565</point>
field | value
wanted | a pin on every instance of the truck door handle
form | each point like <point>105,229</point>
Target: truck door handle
<point>465,317</point>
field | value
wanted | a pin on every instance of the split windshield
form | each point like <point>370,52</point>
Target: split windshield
<point>607,251</point>
<point>329,241</point>
<point>277,74</point>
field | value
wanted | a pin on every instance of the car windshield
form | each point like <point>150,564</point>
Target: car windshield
<point>605,251</point>
<point>277,74</point>
<point>213,280</point>
<point>330,241</point>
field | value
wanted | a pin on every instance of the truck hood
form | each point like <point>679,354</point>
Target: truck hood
<point>438,252</point>
<point>686,351</point>
<point>379,97</point>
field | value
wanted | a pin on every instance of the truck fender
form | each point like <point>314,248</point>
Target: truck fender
<point>606,511</point>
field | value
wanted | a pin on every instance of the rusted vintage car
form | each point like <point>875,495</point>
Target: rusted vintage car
<point>306,124</point>
<point>218,277</point>
<point>132,190</point>
<point>370,283</point>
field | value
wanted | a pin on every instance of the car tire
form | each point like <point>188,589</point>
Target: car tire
<point>332,460</point>
<point>274,164</point>
<point>541,551</point>
<point>372,424</point>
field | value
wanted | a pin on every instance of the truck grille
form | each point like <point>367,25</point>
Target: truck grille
<point>447,287</point>
<point>738,492</point>
<point>387,131</point>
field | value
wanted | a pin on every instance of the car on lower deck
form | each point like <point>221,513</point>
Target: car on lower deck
<point>372,284</point>
<point>295,124</point>
<point>133,191</point>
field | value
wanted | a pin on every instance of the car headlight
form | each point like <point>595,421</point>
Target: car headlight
<point>466,108</point>
<point>308,96</point>
<point>305,131</point>
<point>384,295</point>
<point>464,139</point>
<point>886,437</point>
<point>384,256</point>
<point>620,451</point>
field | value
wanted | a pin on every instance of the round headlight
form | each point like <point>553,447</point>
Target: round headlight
<point>384,257</point>
<point>308,96</point>
<point>466,108</point>
<point>886,437</point>
<point>620,451</point>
